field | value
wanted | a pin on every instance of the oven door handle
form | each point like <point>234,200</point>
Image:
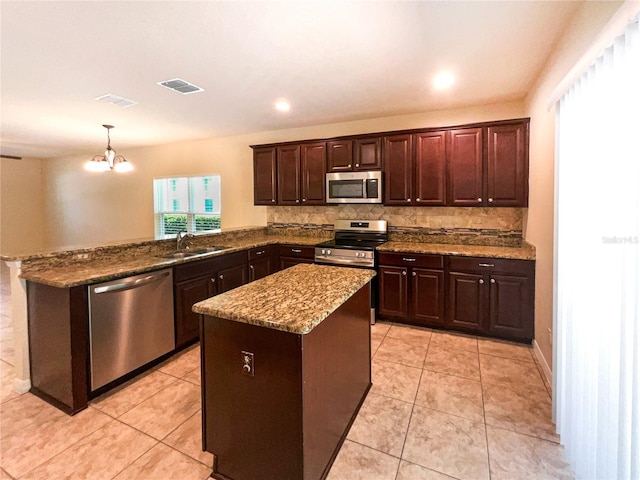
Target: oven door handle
<point>347,263</point>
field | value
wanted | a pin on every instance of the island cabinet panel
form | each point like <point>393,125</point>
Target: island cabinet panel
<point>492,297</point>
<point>411,288</point>
<point>288,160</point>
<point>340,156</point>
<point>508,165</point>
<point>264,176</point>
<point>313,157</point>
<point>430,169</point>
<point>288,420</point>
<point>290,255</point>
<point>59,345</point>
<point>465,165</point>
<point>398,169</point>
<point>368,154</point>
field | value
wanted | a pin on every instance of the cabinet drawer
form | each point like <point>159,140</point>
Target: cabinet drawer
<point>193,270</point>
<point>260,252</point>
<point>297,251</point>
<point>491,265</point>
<point>412,260</point>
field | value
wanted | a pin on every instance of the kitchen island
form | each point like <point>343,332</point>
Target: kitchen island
<point>285,368</point>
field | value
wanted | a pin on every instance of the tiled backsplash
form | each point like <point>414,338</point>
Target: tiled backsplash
<point>471,226</point>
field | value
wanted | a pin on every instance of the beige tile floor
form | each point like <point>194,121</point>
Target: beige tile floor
<point>442,406</point>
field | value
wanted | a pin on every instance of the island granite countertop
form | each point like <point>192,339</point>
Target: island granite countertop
<point>294,300</point>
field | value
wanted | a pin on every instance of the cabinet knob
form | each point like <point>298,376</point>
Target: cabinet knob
<point>493,280</point>
<point>273,200</point>
<point>297,201</point>
<point>357,164</point>
<point>304,199</point>
<point>213,280</point>
<point>417,199</point>
<point>221,277</point>
<point>479,200</point>
<point>413,274</point>
<point>490,200</point>
<point>408,200</point>
<point>481,281</point>
<point>404,272</point>
<point>251,267</point>
<point>349,166</point>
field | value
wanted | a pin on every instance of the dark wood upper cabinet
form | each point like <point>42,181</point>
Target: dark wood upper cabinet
<point>430,169</point>
<point>508,165</point>
<point>398,169</point>
<point>264,176</point>
<point>368,154</point>
<point>340,156</point>
<point>313,168</point>
<point>465,166</point>
<point>288,161</point>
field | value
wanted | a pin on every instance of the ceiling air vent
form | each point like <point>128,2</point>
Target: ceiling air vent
<point>181,86</point>
<point>115,100</point>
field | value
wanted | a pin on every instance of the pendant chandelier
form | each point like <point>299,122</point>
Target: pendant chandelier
<point>109,160</point>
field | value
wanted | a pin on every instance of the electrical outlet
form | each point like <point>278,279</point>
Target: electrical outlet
<point>550,337</point>
<point>247,363</point>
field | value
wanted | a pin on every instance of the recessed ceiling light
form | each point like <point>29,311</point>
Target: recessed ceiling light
<point>443,80</point>
<point>283,106</point>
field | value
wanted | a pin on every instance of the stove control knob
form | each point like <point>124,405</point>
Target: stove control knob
<point>322,252</point>
<point>328,252</point>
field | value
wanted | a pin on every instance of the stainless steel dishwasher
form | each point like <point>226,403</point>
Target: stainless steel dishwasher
<point>131,324</point>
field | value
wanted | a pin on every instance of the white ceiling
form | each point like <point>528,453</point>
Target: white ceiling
<point>334,61</point>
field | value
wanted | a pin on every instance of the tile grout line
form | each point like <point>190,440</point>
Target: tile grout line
<point>484,416</point>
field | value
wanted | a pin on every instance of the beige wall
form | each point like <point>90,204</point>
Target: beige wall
<point>539,221</point>
<point>93,209</point>
<point>22,216</point>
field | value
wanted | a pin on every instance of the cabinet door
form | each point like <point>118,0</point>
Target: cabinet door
<point>340,156</point>
<point>430,169</point>
<point>511,307</point>
<point>368,154</point>
<point>466,301</point>
<point>260,268</point>
<point>392,285</point>
<point>427,296</point>
<point>231,277</point>
<point>288,175</point>
<point>398,170</point>
<point>507,165</point>
<point>464,157</point>
<point>313,158</point>
<point>186,294</point>
<point>264,176</point>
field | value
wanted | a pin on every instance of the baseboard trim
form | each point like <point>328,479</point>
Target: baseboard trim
<point>543,362</point>
<point>21,386</point>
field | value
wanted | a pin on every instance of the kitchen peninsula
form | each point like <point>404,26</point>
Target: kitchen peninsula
<point>285,368</point>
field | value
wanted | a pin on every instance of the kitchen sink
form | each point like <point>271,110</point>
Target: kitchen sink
<point>193,253</point>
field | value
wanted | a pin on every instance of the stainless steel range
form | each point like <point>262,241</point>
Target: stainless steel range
<point>355,245</point>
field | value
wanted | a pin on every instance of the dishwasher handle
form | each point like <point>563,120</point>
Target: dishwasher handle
<point>128,285</point>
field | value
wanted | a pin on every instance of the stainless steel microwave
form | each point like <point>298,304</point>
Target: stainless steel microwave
<point>354,187</point>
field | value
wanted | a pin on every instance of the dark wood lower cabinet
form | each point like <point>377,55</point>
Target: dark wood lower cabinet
<point>186,294</point>
<point>262,262</point>
<point>290,255</point>
<point>475,295</point>
<point>493,297</point>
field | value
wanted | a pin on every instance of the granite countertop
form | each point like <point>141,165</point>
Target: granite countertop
<point>67,274</point>
<point>526,252</point>
<point>294,300</point>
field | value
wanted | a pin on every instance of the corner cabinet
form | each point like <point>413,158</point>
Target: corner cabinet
<point>493,297</point>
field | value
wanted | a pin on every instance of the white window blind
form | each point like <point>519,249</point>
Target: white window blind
<point>597,313</point>
<point>190,204</point>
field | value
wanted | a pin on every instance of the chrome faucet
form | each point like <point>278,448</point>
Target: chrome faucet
<point>181,240</point>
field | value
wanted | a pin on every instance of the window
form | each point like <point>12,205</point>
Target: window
<point>190,204</point>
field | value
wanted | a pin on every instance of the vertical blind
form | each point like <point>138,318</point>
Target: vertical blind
<point>597,309</point>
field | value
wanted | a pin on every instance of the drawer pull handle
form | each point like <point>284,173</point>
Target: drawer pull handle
<point>486,265</point>
<point>408,259</point>
<point>260,252</point>
<point>296,250</point>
